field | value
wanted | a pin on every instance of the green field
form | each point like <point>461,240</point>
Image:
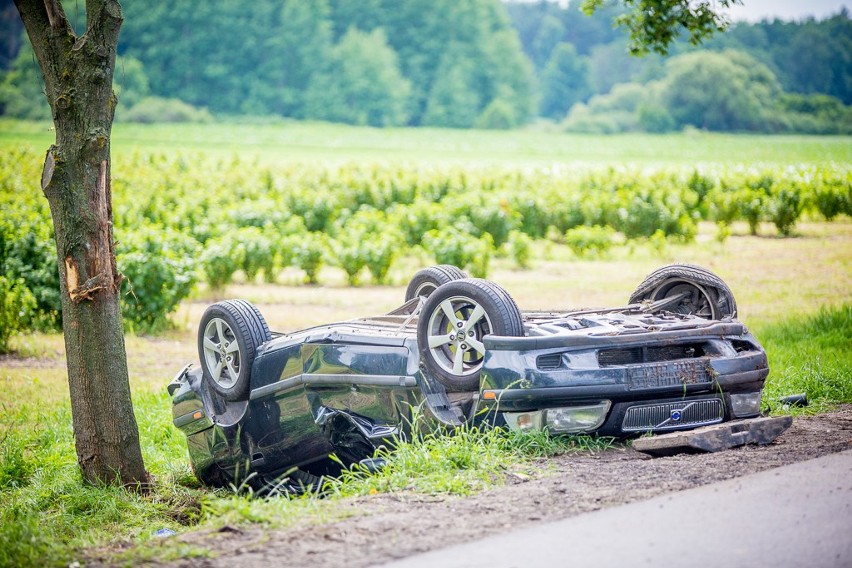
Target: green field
<point>286,142</point>
<point>794,293</point>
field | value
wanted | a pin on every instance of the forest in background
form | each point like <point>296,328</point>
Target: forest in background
<point>472,64</point>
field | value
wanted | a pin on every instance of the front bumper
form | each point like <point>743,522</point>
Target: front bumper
<point>639,397</point>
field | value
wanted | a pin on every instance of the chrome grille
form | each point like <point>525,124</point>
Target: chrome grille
<point>673,415</point>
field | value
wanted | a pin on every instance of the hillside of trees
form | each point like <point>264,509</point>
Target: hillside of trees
<point>478,63</point>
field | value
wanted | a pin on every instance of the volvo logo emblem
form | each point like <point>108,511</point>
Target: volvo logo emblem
<point>676,415</point>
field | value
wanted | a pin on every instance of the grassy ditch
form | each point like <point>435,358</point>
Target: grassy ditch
<point>812,356</point>
<point>49,515</point>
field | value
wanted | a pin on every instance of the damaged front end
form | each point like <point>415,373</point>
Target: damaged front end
<point>624,374</point>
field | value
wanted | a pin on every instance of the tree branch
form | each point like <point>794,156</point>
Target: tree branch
<point>104,20</point>
<point>47,27</point>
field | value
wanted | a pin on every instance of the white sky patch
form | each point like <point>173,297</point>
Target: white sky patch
<point>756,10</point>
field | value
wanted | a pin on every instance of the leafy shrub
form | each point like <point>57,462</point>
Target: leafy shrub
<point>380,251</point>
<point>833,197</point>
<point>256,252</point>
<point>745,203</point>
<point>590,241</point>
<point>459,248</point>
<point>27,252</point>
<point>654,118</point>
<point>17,307</point>
<point>159,266</point>
<point>306,251</point>
<point>646,213</point>
<point>367,239</point>
<point>219,261</point>
<point>418,219</point>
<point>157,109</point>
<point>701,185</point>
<point>498,115</point>
<point>783,207</point>
<point>519,248</point>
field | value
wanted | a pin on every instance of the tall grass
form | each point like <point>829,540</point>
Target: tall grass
<point>49,515</point>
<point>811,355</point>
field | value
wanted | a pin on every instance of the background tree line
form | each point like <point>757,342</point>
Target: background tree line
<point>478,63</point>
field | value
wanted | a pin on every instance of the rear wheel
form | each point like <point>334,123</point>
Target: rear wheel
<point>229,335</point>
<point>452,324</point>
<point>426,281</point>
<point>691,289</point>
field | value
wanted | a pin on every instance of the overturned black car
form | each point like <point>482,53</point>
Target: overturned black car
<point>266,405</point>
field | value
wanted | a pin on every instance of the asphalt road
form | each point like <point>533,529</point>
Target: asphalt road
<point>792,516</point>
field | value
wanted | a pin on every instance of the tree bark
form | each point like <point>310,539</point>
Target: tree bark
<point>78,73</point>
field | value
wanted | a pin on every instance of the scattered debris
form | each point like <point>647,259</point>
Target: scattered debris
<point>716,438</point>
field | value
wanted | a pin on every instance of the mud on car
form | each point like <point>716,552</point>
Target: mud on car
<point>265,406</point>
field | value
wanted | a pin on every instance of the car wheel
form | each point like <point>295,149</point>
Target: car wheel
<point>426,281</point>
<point>454,319</point>
<point>228,337</point>
<point>700,292</point>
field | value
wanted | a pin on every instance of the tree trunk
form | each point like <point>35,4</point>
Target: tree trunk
<point>78,74</point>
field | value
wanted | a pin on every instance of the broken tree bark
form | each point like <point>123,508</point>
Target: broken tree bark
<point>78,73</point>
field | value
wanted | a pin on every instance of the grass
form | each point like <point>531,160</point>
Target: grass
<point>291,141</point>
<point>812,356</point>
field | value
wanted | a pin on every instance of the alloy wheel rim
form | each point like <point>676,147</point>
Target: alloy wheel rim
<point>221,352</point>
<point>455,330</point>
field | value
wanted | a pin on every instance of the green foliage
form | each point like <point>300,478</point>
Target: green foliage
<point>379,62</point>
<point>655,24</point>
<point>498,115</point>
<point>459,462</point>
<point>810,355</point>
<point>292,54</point>
<point>564,81</point>
<point>157,109</point>
<point>27,250</point>
<point>590,241</point>
<point>519,248</point>
<point>453,246</point>
<point>22,88</point>
<point>815,114</point>
<point>361,84</point>
<point>130,83</point>
<point>159,269</point>
<point>784,205</point>
<point>654,118</point>
<point>306,251</point>
<point>367,239</point>
<point>256,251</point>
<point>833,196</point>
<point>49,513</point>
<point>610,113</point>
<point>721,91</point>
<point>219,262</point>
<point>17,308</point>
<point>453,100</point>
<point>173,227</point>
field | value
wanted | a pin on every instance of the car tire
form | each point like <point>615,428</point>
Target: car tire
<point>707,295</point>
<point>426,281</point>
<point>475,307</point>
<point>228,338</point>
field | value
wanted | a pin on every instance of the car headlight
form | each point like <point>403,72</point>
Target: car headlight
<point>747,404</point>
<point>577,418</point>
<point>523,421</point>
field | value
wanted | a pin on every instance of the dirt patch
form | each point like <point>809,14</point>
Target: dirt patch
<point>387,527</point>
